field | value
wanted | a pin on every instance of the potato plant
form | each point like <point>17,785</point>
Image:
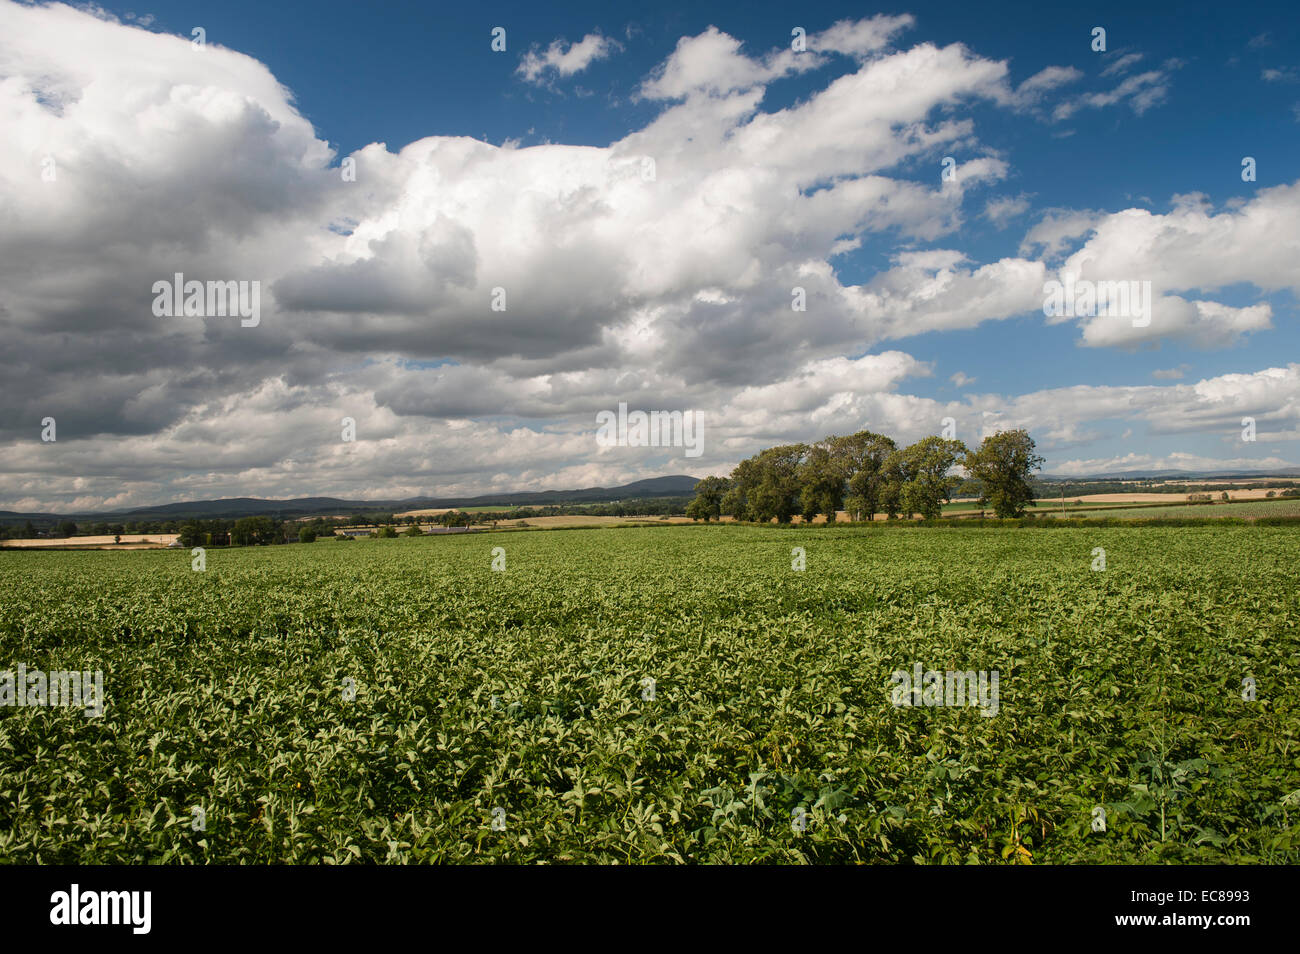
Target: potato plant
<point>662,695</point>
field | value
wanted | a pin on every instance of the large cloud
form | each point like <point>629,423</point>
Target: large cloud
<point>660,269</point>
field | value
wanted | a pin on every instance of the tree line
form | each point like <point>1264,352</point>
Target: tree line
<point>13,530</point>
<point>868,473</point>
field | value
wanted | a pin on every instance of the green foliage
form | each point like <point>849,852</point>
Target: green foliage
<point>921,475</point>
<point>1003,466</point>
<point>766,487</point>
<point>707,504</point>
<point>864,455</point>
<point>252,531</point>
<point>523,690</point>
<point>822,478</point>
<point>864,471</point>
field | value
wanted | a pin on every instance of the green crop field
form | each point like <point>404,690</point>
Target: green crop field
<point>399,700</point>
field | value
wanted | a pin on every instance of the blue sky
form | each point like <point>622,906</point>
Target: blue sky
<point>1138,148</point>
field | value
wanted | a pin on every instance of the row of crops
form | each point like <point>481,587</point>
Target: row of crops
<point>673,694</point>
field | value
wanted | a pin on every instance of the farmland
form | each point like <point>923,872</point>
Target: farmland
<point>1256,506</point>
<point>523,697</point>
<point>1247,509</point>
<point>125,541</point>
<point>581,521</point>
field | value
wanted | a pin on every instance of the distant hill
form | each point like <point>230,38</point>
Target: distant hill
<point>230,507</point>
<point>678,485</point>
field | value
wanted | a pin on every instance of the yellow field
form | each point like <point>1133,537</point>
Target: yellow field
<point>130,541</point>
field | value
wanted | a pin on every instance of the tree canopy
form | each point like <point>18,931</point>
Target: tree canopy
<point>1002,466</point>
<point>867,473</point>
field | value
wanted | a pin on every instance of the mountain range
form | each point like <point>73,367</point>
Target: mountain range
<point>678,485</point>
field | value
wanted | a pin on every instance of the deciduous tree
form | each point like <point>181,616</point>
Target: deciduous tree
<point>1003,466</point>
<point>708,499</point>
<point>920,475</point>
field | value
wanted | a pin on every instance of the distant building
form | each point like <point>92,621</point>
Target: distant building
<point>367,531</point>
